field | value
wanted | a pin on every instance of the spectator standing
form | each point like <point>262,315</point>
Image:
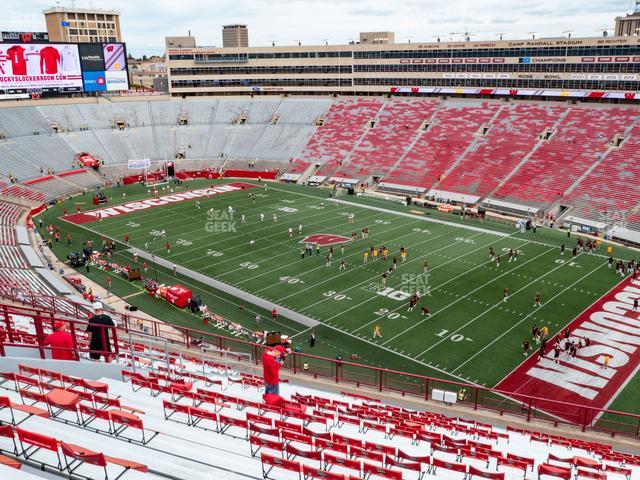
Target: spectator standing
<point>99,334</point>
<point>272,360</point>
<point>61,343</point>
<point>312,338</point>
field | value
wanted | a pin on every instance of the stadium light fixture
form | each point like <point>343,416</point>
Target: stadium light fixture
<point>500,35</point>
<point>568,33</point>
<point>533,35</point>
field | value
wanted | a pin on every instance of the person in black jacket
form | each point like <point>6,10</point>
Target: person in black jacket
<point>99,342</point>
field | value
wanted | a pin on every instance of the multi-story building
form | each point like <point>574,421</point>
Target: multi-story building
<point>82,25</point>
<point>235,36</point>
<point>570,67</point>
<point>629,24</point>
<point>145,72</point>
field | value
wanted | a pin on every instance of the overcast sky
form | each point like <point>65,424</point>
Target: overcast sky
<point>146,22</point>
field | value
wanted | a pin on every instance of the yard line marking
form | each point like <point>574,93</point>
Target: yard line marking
<point>492,307</point>
<point>359,283</point>
<point>437,220</point>
<point>359,266</point>
<point>387,349</point>
<point>469,293</point>
<point>189,231</point>
<point>530,314</point>
<point>402,283</point>
<point>186,282</point>
<point>357,254</point>
<point>286,244</point>
<point>432,220</point>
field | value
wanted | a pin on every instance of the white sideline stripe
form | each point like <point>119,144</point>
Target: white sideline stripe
<point>508,272</point>
<point>466,272</point>
<point>494,306</point>
<point>426,219</point>
<point>180,217</point>
<point>231,290</point>
<point>622,386</point>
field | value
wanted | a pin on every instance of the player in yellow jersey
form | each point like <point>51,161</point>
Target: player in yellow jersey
<point>366,256</point>
<point>376,331</point>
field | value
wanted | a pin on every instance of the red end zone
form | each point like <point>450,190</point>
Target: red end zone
<point>613,329</point>
<point>125,208</point>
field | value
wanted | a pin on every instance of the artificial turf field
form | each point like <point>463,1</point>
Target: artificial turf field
<point>471,335</point>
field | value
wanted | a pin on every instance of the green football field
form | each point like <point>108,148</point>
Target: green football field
<point>472,335</point>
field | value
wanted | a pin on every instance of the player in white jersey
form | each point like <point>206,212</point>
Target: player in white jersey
<point>275,218</point>
<point>290,232</point>
<point>262,217</point>
<point>243,219</point>
<point>300,228</point>
<point>198,204</point>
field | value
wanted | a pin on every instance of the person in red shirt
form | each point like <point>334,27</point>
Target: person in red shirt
<point>168,246</point>
<point>274,314</point>
<point>272,360</point>
<point>61,343</point>
<point>126,238</point>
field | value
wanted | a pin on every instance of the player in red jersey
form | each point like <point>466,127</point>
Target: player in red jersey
<point>168,247</point>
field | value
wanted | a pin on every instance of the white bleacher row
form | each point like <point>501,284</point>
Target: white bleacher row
<point>54,188</point>
<point>225,435</point>
<point>23,121</point>
<point>153,132</point>
<point>26,285</point>
<point>26,156</point>
<point>84,179</point>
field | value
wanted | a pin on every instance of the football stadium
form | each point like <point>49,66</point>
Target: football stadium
<point>365,260</point>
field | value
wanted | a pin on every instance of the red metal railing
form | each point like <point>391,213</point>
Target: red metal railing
<point>381,379</point>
